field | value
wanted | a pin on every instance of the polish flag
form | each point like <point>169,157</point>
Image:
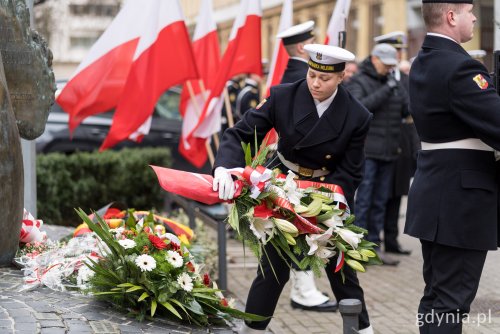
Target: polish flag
<point>336,32</point>
<point>98,82</point>
<point>207,56</point>
<point>243,55</point>
<point>279,60</point>
<point>163,58</point>
<point>280,56</point>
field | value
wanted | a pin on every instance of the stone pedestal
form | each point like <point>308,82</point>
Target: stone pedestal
<point>27,89</point>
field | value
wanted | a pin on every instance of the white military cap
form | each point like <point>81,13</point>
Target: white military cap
<point>298,33</point>
<point>395,38</point>
<point>477,54</point>
<point>327,58</point>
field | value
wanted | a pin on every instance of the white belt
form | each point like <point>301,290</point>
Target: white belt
<point>302,171</point>
<point>466,144</point>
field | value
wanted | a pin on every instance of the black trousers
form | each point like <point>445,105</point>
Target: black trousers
<point>266,289</point>
<point>451,278</point>
<point>391,230</point>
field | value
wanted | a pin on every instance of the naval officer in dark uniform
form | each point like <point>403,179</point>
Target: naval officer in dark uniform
<point>322,131</point>
<point>294,39</point>
<point>304,294</point>
<point>452,204</point>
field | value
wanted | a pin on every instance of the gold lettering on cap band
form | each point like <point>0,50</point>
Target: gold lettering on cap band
<point>326,68</point>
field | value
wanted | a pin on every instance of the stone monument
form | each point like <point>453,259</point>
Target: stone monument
<point>27,89</point>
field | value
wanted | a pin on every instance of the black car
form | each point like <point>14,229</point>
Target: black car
<point>165,131</point>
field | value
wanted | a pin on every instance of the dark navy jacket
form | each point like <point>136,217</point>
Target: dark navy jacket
<point>335,141</point>
<point>453,199</point>
<point>295,70</point>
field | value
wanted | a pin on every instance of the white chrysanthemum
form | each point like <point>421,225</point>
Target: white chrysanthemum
<point>117,231</point>
<point>174,258</point>
<point>127,243</point>
<point>145,262</point>
<point>185,282</point>
<point>84,275</point>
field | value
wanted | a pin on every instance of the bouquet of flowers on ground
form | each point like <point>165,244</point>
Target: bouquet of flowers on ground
<point>294,216</point>
<point>150,273</point>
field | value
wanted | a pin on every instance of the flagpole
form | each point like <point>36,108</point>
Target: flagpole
<point>229,111</point>
<point>215,137</point>
<point>210,152</point>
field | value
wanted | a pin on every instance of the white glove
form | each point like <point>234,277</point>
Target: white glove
<point>224,183</point>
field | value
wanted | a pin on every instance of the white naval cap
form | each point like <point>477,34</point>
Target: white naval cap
<point>395,38</point>
<point>298,33</point>
<point>328,58</point>
<point>477,54</point>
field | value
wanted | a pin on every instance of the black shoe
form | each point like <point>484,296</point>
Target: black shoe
<point>387,260</point>
<point>328,306</point>
<point>398,250</point>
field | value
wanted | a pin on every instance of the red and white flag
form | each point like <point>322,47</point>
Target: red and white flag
<point>243,55</point>
<point>336,32</point>
<point>98,82</point>
<point>207,56</point>
<point>280,56</point>
<point>163,58</point>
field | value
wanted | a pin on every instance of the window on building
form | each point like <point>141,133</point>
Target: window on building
<point>94,10</point>
<point>82,42</point>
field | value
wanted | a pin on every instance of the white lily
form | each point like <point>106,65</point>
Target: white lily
<point>350,237</point>
<point>262,228</point>
<point>293,193</point>
<point>334,221</point>
<point>318,244</point>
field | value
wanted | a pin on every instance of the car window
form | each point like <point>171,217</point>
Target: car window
<point>168,105</point>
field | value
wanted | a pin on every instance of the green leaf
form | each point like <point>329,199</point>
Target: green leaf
<point>107,293</point>
<point>195,307</point>
<point>134,288</point>
<point>143,296</point>
<point>201,295</point>
<point>153,307</point>
<point>172,309</point>
<point>125,285</point>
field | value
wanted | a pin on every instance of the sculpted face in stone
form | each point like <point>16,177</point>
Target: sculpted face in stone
<point>27,62</point>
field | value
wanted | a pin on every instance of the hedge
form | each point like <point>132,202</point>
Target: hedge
<point>91,180</point>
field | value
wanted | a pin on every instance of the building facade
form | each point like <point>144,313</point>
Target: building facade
<point>72,26</point>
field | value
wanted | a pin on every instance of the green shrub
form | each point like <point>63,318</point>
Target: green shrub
<point>92,180</point>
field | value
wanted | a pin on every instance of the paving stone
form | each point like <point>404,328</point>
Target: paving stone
<point>25,326</point>
<point>51,323</point>
<point>46,316</point>
<point>53,330</point>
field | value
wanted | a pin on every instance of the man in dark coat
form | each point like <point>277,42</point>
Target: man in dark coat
<point>304,293</point>
<point>375,86</point>
<point>406,162</point>
<point>452,204</point>
<point>322,129</point>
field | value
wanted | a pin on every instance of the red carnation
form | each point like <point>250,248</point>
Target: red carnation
<point>206,279</point>
<point>156,241</point>
<point>174,246</point>
<point>190,267</point>
<point>224,302</point>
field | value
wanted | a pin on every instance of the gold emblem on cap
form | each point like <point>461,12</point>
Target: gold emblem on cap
<point>319,56</point>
